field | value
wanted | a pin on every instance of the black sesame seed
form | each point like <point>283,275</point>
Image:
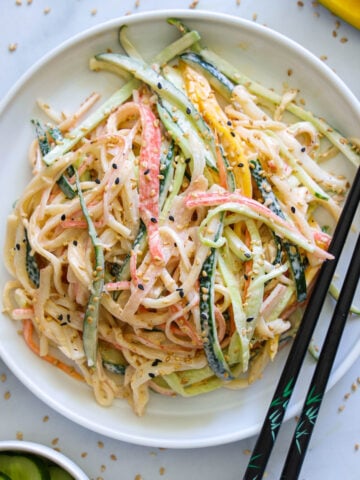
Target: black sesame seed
<point>114,166</point>
<point>153,220</point>
<point>204,315</point>
<point>240,165</point>
<point>232,134</point>
<point>246,277</point>
<point>303,149</point>
<point>250,319</point>
<point>293,209</point>
<point>171,218</point>
<point>60,317</point>
<point>141,286</point>
<point>247,255</point>
<point>97,180</point>
<point>63,216</point>
<point>68,317</point>
<point>147,171</point>
<point>229,123</point>
<point>117,181</point>
<point>159,86</point>
<point>187,160</point>
<point>152,375</point>
<point>17,246</point>
<point>181,293</point>
<point>75,242</point>
<point>188,110</point>
<point>156,362</point>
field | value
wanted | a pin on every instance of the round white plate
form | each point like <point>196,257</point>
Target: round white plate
<point>63,79</point>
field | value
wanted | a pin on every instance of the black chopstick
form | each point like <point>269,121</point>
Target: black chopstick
<point>286,384</point>
<point>315,394</point>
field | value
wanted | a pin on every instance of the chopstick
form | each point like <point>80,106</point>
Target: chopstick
<point>287,381</point>
<point>315,394</point>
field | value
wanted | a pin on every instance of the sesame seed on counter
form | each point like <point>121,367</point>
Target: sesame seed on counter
<point>12,47</point>
<point>193,4</point>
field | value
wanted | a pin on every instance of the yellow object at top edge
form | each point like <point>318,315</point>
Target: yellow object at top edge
<point>349,10</point>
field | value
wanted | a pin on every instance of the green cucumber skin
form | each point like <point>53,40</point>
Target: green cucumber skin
<point>211,346</point>
<point>3,476</point>
<point>58,473</point>
<point>23,467</point>
<point>292,251</point>
<point>216,78</point>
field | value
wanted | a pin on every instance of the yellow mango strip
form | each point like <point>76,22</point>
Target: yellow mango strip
<point>201,95</point>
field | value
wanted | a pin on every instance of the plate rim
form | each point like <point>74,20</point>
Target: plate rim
<point>216,17</point>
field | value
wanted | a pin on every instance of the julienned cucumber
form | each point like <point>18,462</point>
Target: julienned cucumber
<point>15,466</point>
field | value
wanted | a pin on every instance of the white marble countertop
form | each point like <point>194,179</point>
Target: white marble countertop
<point>35,27</point>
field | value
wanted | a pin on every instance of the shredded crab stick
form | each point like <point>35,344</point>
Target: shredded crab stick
<point>28,329</point>
<point>256,210</point>
<point>149,171</point>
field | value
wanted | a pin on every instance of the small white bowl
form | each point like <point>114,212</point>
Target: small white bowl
<point>45,452</point>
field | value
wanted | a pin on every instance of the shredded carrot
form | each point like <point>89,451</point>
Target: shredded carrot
<point>28,329</point>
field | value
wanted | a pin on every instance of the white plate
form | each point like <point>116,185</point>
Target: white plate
<point>63,79</point>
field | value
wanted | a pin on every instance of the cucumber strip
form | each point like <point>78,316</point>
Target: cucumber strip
<point>112,359</point>
<point>119,97</point>
<point>211,345</point>
<point>292,252</point>
<point>175,48</point>
<point>56,134</point>
<point>176,185</point>
<point>334,293</point>
<point>171,51</point>
<point>128,47</point>
<point>236,245</point>
<point>43,141</point>
<point>209,384</point>
<point>217,79</point>
<point>167,173</point>
<point>183,29</point>
<point>91,318</point>
<point>66,187</point>
<point>180,128</point>
<point>239,349</point>
<point>165,89</point>
<point>32,267</point>
<point>255,291</point>
<point>45,148</point>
